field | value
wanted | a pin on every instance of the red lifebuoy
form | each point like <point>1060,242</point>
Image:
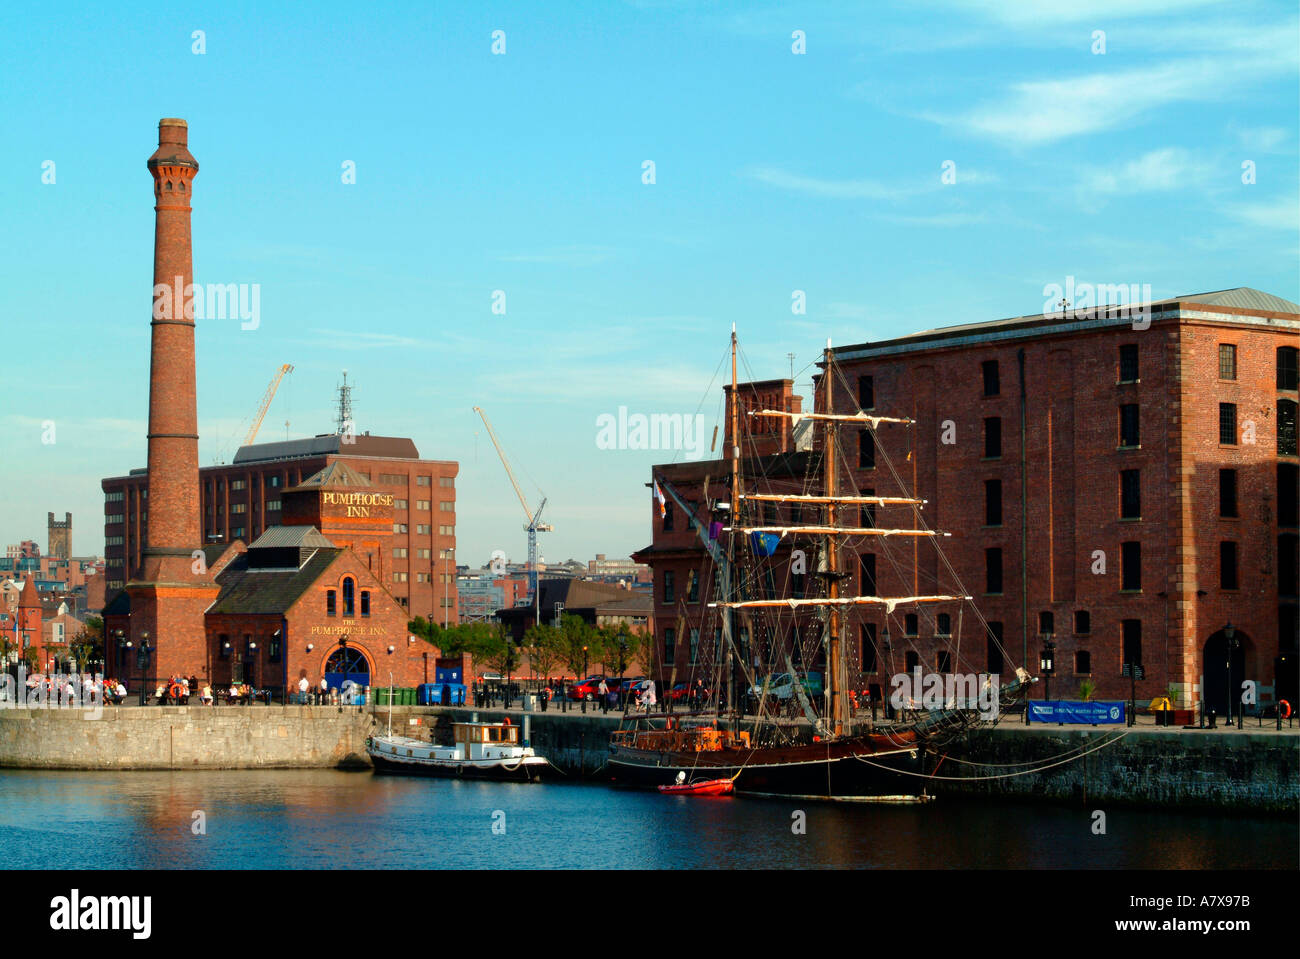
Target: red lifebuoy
<point>175,691</point>
<point>1286,709</point>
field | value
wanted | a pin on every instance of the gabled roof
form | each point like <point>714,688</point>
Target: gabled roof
<point>361,444</point>
<point>336,475</point>
<point>268,591</point>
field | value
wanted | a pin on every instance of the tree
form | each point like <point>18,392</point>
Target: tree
<point>644,653</point>
<point>494,646</point>
<point>542,643</point>
<point>575,643</point>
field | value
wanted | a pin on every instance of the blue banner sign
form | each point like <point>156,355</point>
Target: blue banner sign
<point>1089,713</point>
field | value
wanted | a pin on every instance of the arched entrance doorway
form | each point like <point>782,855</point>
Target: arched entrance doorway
<point>1216,673</point>
<point>347,664</point>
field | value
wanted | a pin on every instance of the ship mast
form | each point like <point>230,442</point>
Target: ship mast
<point>734,584</point>
<point>835,654</point>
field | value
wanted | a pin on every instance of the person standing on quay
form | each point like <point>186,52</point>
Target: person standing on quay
<point>603,692</point>
<point>302,689</point>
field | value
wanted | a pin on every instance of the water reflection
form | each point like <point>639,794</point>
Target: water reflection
<point>285,819</point>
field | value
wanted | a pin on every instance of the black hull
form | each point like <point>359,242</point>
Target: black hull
<point>520,774</point>
<point>869,777</point>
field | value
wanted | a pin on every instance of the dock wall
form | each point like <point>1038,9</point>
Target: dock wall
<point>1240,770</point>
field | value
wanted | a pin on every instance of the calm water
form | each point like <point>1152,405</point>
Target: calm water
<point>326,818</point>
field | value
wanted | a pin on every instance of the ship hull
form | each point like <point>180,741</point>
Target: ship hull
<point>523,772</point>
<point>842,770</point>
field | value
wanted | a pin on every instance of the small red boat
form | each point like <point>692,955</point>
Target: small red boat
<point>708,787</point>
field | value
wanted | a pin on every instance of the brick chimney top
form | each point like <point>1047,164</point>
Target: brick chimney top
<point>173,137</point>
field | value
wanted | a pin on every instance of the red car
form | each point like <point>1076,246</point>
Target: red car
<point>589,688</point>
<point>683,691</point>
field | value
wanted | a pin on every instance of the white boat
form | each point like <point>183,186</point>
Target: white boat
<point>481,751</point>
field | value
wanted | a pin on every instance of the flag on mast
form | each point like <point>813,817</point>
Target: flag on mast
<point>663,504</point>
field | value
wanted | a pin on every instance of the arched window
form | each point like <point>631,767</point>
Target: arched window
<point>349,597</point>
<point>169,184</point>
<point>182,186</point>
<point>1286,428</point>
<point>350,661</point>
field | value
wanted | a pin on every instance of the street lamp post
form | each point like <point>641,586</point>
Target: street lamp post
<point>143,662</point>
<point>1231,641</point>
<point>584,677</point>
<point>343,659</point>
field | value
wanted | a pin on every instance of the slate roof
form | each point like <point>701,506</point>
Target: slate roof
<point>362,444</point>
<point>334,476</point>
<point>249,591</point>
<point>291,537</point>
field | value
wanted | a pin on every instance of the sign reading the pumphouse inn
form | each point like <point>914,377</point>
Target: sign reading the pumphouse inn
<point>357,504</point>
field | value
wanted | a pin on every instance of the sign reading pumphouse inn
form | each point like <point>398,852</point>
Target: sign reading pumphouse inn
<point>358,504</point>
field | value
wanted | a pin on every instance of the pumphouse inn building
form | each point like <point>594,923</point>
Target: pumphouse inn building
<point>1125,492</point>
<point>296,561</point>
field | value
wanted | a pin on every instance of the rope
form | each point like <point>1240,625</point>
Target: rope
<point>904,772</point>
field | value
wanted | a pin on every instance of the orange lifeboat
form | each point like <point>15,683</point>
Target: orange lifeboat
<point>708,787</point>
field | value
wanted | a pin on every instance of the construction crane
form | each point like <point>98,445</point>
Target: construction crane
<point>266,404</point>
<point>535,525</point>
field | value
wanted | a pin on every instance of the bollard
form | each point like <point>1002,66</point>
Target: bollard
<point>528,727</point>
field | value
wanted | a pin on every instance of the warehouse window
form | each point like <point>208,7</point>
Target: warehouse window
<point>692,587</point>
<point>1228,493</point>
<point>1228,566</point>
<point>989,368</point>
<point>349,597</point>
<point>1130,494</point>
<point>330,609</point>
<point>399,504</point>
<point>866,393</point>
<point>867,655</point>
<point>1128,363</point>
<point>670,646</point>
<point>399,552</point>
<point>1082,621</point>
<point>1286,428</point>
<point>867,514</point>
<point>1227,361</point>
<point>1129,431</point>
<point>910,624</point>
<point>1130,566</point>
<point>866,450</point>
<point>993,502</point>
<point>365,602</point>
<point>943,661</point>
<point>1227,424</point>
<point>993,648</point>
<point>992,437</point>
<point>422,481</point>
<point>399,527</point>
<point>868,562</point>
<point>422,529</point>
<point>1083,663</point>
<point>669,586</point>
<point>1046,622</point>
<point>1132,632</point>
<point>943,625</point>
<point>1287,373</point>
<point>993,569</point>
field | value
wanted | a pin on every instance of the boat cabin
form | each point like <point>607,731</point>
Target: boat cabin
<point>486,740</point>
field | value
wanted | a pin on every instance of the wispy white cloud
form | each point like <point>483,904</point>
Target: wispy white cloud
<point>866,189</point>
<point>1169,168</point>
<point>1277,215</point>
<point>1040,12</point>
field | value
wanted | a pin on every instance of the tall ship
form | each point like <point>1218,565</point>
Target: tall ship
<point>778,701</point>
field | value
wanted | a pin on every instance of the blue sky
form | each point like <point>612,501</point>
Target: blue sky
<point>523,172</point>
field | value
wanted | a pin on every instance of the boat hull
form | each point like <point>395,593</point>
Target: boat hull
<point>713,787</point>
<point>526,771</point>
<point>842,770</point>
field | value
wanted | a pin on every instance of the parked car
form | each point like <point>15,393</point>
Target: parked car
<point>781,685</point>
<point>589,688</point>
<point>683,691</point>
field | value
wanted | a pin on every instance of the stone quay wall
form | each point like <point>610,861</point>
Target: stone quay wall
<point>1244,771</point>
<point>185,737</point>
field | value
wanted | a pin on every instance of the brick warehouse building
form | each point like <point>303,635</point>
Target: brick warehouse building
<point>295,602</point>
<point>1168,453</point>
<point>414,555</point>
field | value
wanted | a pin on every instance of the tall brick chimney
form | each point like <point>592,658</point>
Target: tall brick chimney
<point>170,591</point>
